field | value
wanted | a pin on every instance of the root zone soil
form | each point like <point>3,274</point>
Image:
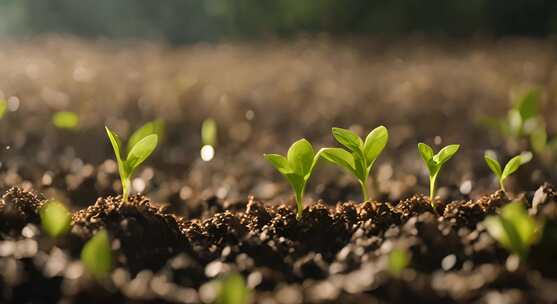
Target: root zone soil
<point>332,255</point>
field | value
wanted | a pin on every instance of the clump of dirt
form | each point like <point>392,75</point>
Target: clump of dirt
<point>469,213</point>
<point>145,235</point>
<point>17,209</point>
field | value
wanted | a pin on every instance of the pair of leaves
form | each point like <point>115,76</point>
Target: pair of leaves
<point>435,162</point>
<point>96,255</point>
<point>296,167</point>
<point>361,156</point>
<point>233,290</point>
<point>141,145</point>
<point>55,218</point>
<point>511,166</point>
<point>514,229</point>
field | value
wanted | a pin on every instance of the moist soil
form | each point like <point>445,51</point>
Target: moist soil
<point>332,255</point>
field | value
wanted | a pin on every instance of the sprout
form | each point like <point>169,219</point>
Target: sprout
<point>514,229</point>
<point>297,167</point>
<point>144,143</point>
<point>510,167</point>
<point>361,156</point>
<point>65,120</point>
<point>398,260</point>
<point>96,255</point>
<point>233,290</point>
<point>55,218</point>
<point>208,139</point>
<point>434,164</point>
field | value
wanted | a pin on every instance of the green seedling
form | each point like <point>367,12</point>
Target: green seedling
<point>510,167</point>
<point>296,167</point>
<point>65,120</point>
<point>96,255</point>
<point>361,155</point>
<point>514,229</point>
<point>233,290</point>
<point>143,145</point>
<point>55,218</point>
<point>434,163</point>
<point>208,139</point>
<point>398,260</point>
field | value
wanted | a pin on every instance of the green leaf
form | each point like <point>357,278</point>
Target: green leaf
<point>446,153</point>
<point>539,139</point>
<point>425,151</point>
<point>140,152</point>
<point>300,157</point>
<point>153,127</point>
<point>348,139</point>
<point>55,218</point>
<point>493,164</point>
<point>375,142</point>
<point>527,104</point>
<point>279,162</point>
<point>340,157</point>
<point>117,146</point>
<point>209,132</point>
<point>512,166</point>
<point>96,255</point>
<point>65,120</point>
<point>233,290</point>
<point>398,260</point>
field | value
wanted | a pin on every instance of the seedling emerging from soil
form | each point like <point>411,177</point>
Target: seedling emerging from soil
<point>137,153</point>
<point>398,260</point>
<point>65,120</point>
<point>510,167</point>
<point>514,229</point>
<point>208,139</point>
<point>297,167</point>
<point>361,156</point>
<point>434,164</point>
<point>55,218</point>
<point>97,255</point>
<point>233,290</point>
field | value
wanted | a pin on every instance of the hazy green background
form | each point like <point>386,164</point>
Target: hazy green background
<point>202,20</point>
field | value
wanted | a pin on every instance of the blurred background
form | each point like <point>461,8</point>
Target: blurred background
<point>269,73</point>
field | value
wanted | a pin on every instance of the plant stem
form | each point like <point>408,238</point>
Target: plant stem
<point>502,186</point>
<point>432,191</point>
<point>364,190</point>
<point>125,189</point>
<point>299,205</point>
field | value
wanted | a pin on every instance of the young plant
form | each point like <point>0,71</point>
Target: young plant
<point>361,155</point>
<point>143,144</point>
<point>296,167</point>
<point>232,290</point>
<point>434,163</point>
<point>55,218</point>
<point>96,255</point>
<point>510,167</point>
<point>514,229</point>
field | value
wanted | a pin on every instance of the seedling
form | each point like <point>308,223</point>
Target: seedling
<point>434,163</point>
<point>96,255</point>
<point>208,139</point>
<point>55,218</point>
<point>398,260</point>
<point>510,167</point>
<point>233,290</point>
<point>137,153</point>
<point>65,120</point>
<point>296,167</point>
<point>361,156</point>
<point>514,229</point>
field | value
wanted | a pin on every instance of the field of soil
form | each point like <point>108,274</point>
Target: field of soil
<point>195,221</point>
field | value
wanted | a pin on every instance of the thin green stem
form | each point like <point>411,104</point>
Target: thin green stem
<point>125,189</point>
<point>432,189</point>
<point>502,184</point>
<point>299,205</point>
<point>364,191</point>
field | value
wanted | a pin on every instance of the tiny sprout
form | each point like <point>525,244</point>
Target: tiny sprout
<point>514,229</point>
<point>296,167</point>
<point>510,167</point>
<point>361,156</point>
<point>3,107</point>
<point>136,154</point>
<point>96,255</point>
<point>208,139</point>
<point>434,164</point>
<point>55,218</point>
<point>233,290</point>
<point>398,260</point>
<point>65,120</point>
